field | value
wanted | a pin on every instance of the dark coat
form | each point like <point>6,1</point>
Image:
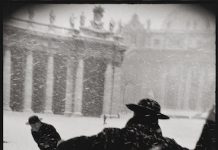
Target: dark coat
<point>47,135</point>
<point>207,140</point>
<point>135,136</point>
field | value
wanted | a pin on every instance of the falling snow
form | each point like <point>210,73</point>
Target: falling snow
<point>184,131</point>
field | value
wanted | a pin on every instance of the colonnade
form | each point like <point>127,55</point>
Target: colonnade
<point>73,101</point>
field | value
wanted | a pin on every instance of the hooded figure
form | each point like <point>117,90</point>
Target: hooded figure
<point>141,132</point>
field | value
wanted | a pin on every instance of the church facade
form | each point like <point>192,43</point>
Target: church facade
<point>177,62</point>
<point>50,69</point>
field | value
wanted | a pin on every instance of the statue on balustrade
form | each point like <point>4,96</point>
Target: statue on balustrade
<point>97,23</point>
<point>111,25</point>
<point>82,19</point>
<point>72,21</point>
<point>120,27</point>
<point>30,14</point>
<point>52,17</point>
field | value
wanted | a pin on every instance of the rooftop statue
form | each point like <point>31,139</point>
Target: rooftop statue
<point>111,25</point>
<point>30,16</point>
<point>148,24</point>
<point>97,23</point>
<point>30,13</point>
<point>120,27</point>
<point>52,17</point>
<point>82,19</point>
<point>72,18</point>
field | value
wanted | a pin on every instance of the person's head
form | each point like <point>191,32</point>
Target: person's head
<point>34,122</point>
<point>147,109</point>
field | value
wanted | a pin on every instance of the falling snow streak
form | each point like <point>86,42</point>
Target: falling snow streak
<point>60,69</point>
<point>39,81</point>
<point>93,89</point>
<point>18,60</point>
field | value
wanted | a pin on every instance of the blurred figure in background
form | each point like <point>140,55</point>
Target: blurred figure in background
<point>207,140</point>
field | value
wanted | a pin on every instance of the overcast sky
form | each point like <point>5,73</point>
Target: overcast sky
<point>156,12</point>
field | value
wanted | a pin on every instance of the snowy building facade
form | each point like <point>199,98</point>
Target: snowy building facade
<point>51,69</point>
<point>177,62</point>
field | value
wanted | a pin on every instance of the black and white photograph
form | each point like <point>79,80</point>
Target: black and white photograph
<point>109,77</point>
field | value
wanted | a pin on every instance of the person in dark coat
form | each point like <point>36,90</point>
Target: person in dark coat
<point>207,140</point>
<point>45,135</point>
<point>141,132</point>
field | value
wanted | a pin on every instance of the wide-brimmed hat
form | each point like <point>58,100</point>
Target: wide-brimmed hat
<point>33,119</point>
<point>148,107</point>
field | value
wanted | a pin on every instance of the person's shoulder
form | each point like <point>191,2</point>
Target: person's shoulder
<point>47,125</point>
<point>111,130</point>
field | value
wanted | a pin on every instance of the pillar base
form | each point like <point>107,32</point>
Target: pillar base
<point>7,108</point>
<point>48,112</point>
<point>68,113</point>
<point>28,110</point>
<point>77,114</point>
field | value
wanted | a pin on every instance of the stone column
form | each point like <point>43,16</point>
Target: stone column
<point>28,83</point>
<point>116,97</point>
<point>49,85</point>
<point>187,90</point>
<point>163,87</point>
<point>180,93</point>
<point>7,79</point>
<point>69,84</point>
<point>107,89</point>
<point>79,88</point>
<point>200,89</point>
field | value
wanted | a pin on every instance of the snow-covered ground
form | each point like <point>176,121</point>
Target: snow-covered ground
<point>18,137</point>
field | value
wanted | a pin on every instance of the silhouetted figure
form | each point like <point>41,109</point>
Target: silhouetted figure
<point>141,132</point>
<point>207,140</point>
<point>45,135</point>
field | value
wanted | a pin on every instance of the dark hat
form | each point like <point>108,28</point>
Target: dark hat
<point>33,119</point>
<point>147,106</point>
